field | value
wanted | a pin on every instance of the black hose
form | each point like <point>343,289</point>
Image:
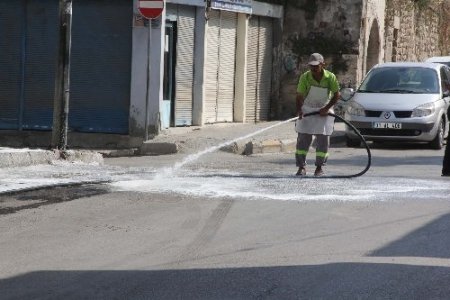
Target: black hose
<point>369,155</point>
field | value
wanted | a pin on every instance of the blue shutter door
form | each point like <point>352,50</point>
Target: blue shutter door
<point>41,50</point>
<point>101,66</point>
<point>11,28</point>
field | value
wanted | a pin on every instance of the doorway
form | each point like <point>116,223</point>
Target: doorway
<point>168,112</point>
<point>373,47</point>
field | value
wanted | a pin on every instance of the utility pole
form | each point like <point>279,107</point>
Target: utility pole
<point>62,78</point>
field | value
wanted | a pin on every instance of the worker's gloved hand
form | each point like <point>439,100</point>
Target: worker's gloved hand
<point>300,114</point>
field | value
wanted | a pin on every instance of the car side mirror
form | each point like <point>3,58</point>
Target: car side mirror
<point>446,93</point>
<point>347,94</point>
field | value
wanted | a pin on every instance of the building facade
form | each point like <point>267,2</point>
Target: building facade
<point>354,35</point>
<point>100,68</point>
<point>200,62</point>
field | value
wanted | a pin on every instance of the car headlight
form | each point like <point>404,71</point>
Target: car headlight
<point>423,110</point>
<point>355,109</point>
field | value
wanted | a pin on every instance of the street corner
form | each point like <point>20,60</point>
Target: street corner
<point>288,145</point>
<point>265,146</point>
<point>83,156</point>
<point>152,148</point>
<point>236,148</point>
<point>29,157</point>
<point>16,158</point>
<point>119,152</point>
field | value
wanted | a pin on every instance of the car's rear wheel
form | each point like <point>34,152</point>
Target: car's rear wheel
<point>352,142</point>
<point>438,141</point>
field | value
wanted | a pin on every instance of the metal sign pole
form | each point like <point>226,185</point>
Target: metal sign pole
<point>62,77</point>
<point>147,104</point>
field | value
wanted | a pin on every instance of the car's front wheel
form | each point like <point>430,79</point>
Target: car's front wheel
<point>438,141</point>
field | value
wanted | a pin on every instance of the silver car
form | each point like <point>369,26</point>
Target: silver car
<point>401,102</point>
<point>439,59</point>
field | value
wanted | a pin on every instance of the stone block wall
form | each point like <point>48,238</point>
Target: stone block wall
<point>328,19</point>
<point>445,28</point>
<point>415,32</point>
<point>371,41</point>
<point>378,30</point>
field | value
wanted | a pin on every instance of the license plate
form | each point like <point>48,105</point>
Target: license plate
<point>387,125</point>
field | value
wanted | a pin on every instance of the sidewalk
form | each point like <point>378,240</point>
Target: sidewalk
<point>238,138</point>
<point>13,157</point>
<point>247,139</point>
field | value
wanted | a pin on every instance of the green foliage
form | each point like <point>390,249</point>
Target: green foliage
<point>320,43</point>
<point>422,3</point>
<point>327,46</point>
<point>310,7</point>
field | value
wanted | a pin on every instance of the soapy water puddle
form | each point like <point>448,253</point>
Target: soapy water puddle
<point>223,183</point>
<point>286,187</point>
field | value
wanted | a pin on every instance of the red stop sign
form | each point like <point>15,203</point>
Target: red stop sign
<point>151,9</point>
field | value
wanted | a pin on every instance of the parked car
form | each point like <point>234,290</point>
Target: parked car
<point>440,59</point>
<point>401,102</point>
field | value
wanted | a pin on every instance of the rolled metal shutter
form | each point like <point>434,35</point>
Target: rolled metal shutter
<point>227,60</point>
<point>184,71</point>
<point>40,68</point>
<point>28,47</point>
<point>211,66</point>
<point>259,69</point>
<point>220,66</point>
<point>264,69</point>
<point>252,70</point>
<point>12,16</point>
<point>101,66</point>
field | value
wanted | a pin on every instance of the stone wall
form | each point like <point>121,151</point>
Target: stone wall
<point>378,30</point>
<point>414,33</point>
<point>328,19</point>
<point>445,28</point>
<point>371,41</point>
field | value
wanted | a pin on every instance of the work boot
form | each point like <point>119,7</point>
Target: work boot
<point>318,172</point>
<point>301,171</point>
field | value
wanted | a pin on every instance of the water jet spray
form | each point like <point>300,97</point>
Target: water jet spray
<point>168,171</point>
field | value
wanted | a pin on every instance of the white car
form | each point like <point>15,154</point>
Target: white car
<point>401,102</point>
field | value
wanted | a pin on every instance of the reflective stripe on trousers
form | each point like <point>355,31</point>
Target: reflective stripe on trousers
<point>304,142</point>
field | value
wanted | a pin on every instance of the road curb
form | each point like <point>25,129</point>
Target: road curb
<point>281,146</point>
<point>243,147</point>
<point>151,148</point>
<point>35,157</point>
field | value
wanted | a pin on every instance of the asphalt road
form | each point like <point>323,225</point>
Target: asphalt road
<point>226,226</point>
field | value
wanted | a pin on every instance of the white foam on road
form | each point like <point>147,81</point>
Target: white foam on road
<point>226,183</point>
<point>290,188</point>
<point>29,177</point>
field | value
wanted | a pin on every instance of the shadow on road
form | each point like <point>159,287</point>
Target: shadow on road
<point>328,281</point>
<point>432,240</point>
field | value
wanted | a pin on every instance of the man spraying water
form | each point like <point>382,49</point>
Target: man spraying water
<point>317,90</point>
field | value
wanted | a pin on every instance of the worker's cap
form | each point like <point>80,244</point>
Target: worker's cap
<point>315,59</point>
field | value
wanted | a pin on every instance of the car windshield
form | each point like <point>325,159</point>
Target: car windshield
<point>415,80</point>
